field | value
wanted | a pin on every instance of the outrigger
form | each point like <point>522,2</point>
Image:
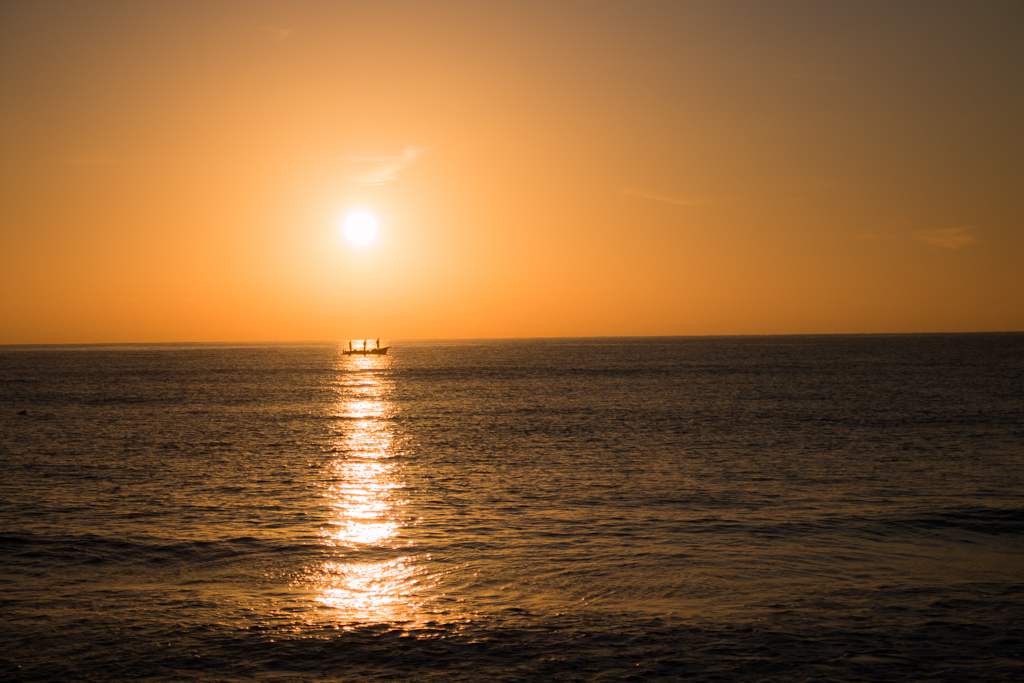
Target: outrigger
<point>366,350</point>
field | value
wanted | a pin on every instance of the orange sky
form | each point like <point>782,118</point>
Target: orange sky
<point>177,171</point>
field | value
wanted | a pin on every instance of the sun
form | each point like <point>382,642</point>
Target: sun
<point>360,228</point>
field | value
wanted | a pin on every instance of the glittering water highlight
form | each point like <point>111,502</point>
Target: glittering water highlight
<point>364,487</point>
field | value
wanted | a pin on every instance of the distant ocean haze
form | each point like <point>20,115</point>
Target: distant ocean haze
<point>742,508</point>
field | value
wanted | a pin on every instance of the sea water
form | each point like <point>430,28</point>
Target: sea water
<point>745,508</point>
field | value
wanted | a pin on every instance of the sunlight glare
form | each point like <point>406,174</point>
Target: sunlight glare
<point>360,228</point>
<point>368,520</point>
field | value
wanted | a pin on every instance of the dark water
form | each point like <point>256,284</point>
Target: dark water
<point>762,508</point>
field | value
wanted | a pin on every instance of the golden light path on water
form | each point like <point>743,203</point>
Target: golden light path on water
<point>375,578</point>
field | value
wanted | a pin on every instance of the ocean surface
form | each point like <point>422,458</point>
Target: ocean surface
<point>823,508</point>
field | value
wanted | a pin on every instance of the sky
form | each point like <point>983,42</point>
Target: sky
<point>180,171</point>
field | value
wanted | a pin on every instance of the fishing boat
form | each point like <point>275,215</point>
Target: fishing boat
<point>366,349</point>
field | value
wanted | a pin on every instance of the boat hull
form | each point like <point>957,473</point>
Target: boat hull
<point>367,352</point>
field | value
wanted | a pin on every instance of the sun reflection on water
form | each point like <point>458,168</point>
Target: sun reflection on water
<point>371,577</point>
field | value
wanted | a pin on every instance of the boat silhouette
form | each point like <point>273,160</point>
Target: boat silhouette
<point>366,350</point>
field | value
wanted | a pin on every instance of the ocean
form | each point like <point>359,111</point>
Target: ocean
<point>783,508</point>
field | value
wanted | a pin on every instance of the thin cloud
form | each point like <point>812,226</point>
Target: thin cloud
<point>948,238</point>
<point>895,229</point>
<point>277,33</point>
<point>98,161</point>
<point>808,76</point>
<point>674,201</point>
<point>384,169</point>
<point>805,182</point>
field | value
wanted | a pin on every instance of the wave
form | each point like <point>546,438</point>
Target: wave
<point>20,548</point>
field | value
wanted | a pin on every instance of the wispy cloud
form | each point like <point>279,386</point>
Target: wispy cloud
<point>895,229</point>
<point>804,182</point>
<point>812,76</point>
<point>277,33</point>
<point>98,161</point>
<point>674,201</point>
<point>384,169</point>
<point>949,238</point>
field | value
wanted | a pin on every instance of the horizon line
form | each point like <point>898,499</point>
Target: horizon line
<point>533,338</point>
